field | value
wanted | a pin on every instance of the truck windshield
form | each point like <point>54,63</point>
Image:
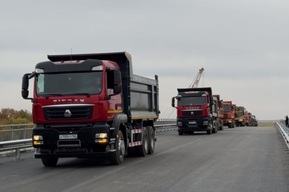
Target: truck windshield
<point>239,113</point>
<point>69,83</point>
<point>227,107</point>
<point>186,101</point>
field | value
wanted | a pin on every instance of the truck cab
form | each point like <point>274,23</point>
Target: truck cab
<point>195,110</point>
<point>229,114</point>
<point>240,116</point>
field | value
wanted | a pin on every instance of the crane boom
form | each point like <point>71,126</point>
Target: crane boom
<point>197,79</point>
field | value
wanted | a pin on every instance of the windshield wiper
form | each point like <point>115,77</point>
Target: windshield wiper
<point>50,94</point>
<point>87,94</point>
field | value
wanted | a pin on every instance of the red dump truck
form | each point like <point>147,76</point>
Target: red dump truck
<point>91,105</point>
<point>247,118</point>
<point>195,110</point>
<point>220,111</point>
<point>229,114</point>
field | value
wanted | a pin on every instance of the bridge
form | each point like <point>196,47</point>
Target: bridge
<point>239,159</point>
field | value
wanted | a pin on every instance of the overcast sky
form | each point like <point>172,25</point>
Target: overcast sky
<point>243,45</point>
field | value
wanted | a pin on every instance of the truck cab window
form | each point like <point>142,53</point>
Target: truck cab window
<point>70,83</point>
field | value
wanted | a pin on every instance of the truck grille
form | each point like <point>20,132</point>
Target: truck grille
<point>192,113</point>
<point>226,116</point>
<point>68,112</point>
<point>68,143</point>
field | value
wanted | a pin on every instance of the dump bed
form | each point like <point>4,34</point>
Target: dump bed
<point>186,91</point>
<point>140,94</point>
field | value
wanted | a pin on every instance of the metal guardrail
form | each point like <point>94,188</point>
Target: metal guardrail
<point>284,132</point>
<point>16,145</point>
<point>15,131</point>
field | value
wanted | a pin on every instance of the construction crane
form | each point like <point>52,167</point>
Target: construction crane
<point>195,82</point>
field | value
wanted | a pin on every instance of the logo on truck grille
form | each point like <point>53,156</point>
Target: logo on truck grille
<point>67,113</point>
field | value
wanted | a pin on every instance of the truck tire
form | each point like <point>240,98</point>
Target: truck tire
<point>180,132</point>
<point>151,140</point>
<point>209,131</point>
<point>221,126</point>
<point>142,150</point>
<point>117,156</point>
<point>49,161</point>
<point>215,127</point>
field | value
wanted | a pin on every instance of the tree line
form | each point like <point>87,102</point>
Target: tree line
<point>12,116</point>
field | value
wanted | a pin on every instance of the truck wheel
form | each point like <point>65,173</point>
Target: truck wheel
<point>142,150</point>
<point>151,140</point>
<point>209,131</point>
<point>180,132</point>
<point>117,157</point>
<point>215,127</point>
<point>221,126</point>
<point>49,161</point>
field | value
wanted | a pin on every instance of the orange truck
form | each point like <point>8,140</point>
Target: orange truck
<point>229,113</point>
<point>240,116</point>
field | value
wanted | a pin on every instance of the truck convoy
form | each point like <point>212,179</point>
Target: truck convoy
<point>196,110</point>
<point>229,114</point>
<point>91,105</point>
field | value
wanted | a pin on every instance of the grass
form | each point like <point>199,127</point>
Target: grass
<point>267,123</point>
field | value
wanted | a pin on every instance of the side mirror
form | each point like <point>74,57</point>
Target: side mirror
<point>116,77</point>
<point>25,85</point>
<point>117,89</point>
<point>173,102</point>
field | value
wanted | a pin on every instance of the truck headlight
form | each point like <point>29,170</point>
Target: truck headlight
<point>100,135</point>
<point>37,140</point>
<point>101,138</point>
<point>37,137</point>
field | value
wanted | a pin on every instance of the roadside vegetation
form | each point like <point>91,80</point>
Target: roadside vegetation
<point>12,116</point>
<point>266,123</point>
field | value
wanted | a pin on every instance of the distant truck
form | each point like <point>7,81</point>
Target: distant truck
<point>229,114</point>
<point>247,118</point>
<point>195,110</point>
<point>240,116</point>
<point>220,111</point>
<point>253,120</point>
<point>91,105</point>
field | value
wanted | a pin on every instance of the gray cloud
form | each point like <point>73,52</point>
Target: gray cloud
<point>243,45</point>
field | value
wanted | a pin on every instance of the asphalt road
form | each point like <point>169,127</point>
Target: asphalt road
<point>243,159</point>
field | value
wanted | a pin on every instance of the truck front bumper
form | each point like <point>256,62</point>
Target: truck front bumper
<point>73,140</point>
<point>228,122</point>
<point>191,125</point>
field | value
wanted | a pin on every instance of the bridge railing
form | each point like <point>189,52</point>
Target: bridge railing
<point>15,137</point>
<point>284,131</point>
<point>11,132</point>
